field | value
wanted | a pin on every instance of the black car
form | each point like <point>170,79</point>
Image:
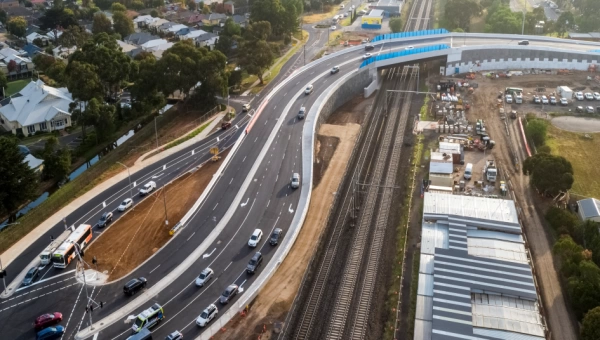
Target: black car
<point>369,47</point>
<point>31,276</point>
<point>134,285</point>
<point>276,236</point>
<point>524,42</point>
<point>228,294</point>
<point>105,219</point>
<point>254,263</point>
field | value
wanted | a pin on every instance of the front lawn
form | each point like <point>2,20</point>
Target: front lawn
<point>16,86</point>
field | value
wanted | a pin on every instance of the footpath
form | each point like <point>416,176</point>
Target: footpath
<point>13,252</point>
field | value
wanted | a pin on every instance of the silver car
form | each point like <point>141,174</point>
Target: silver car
<point>204,277</point>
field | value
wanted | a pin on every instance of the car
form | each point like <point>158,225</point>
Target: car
<point>225,125</point>
<point>126,204</point>
<point>552,100</point>
<point>333,28</point>
<point>254,263</point>
<point>579,95</point>
<point>367,56</point>
<point>204,277</point>
<point>544,100</point>
<point>352,7</point>
<point>596,95</point>
<point>276,236</point>
<point>523,42</point>
<point>229,293</point>
<point>50,333</point>
<point>342,6</point>
<point>308,90</point>
<point>208,314</point>
<point>148,187</point>
<point>335,70</point>
<point>589,96</point>
<point>31,276</point>
<point>302,112</point>
<point>47,320</point>
<point>105,219</point>
<point>143,334</point>
<point>589,109</point>
<point>579,109</point>
<point>246,107</point>
<point>362,12</point>
<point>536,99</point>
<point>176,335</point>
<point>134,285</point>
<point>508,99</point>
<point>295,181</point>
<point>255,238</point>
<point>564,101</point>
<point>364,41</point>
<point>369,47</point>
<point>408,48</point>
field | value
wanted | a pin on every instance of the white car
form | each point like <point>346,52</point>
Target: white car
<point>367,56</point>
<point>544,100</point>
<point>127,203</point>
<point>509,98</point>
<point>147,188</point>
<point>255,238</point>
<point>596,95</point>
<point>564,101</point>
<point>204,277</point>
<point>208,314</point>
<point>579,95</point>
<point>308,90</point>
<point>352,7</point>
<point>333,28</point>
<point>246,107</point>
<point>589,96</point>
<point>409,48</point>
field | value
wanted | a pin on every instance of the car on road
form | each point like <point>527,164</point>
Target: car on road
<point>31,276</point>
<point>367,56</point>
<point>408,48</point>
<point>544,100</point>
<point>589,96</point>
<point>254,263</point>
<point>342,6</point>
<point>335,70</point>
<point>225,125</point>
<point>143,334</point>
<point>523,42</point>
<point>333,28</point>
<point>134,285</point>
<point>176,335</point>
<point>204,277</point>
<point>364,41</point>
<point>596,95</point>
<point>207,314</point>
<point>369,47</point>
<point>295,181</point>
<point>536,99</point>
<point>105,219</point>
<point>579,95</point>
<point>50,333</point>
<point>229,293</point>
<point>552,100</point>
<point>47,320</point>
<point>148,188</point>
<point>362,12</point>
<point>564,101</point>
<point>276,236</point>
<point>302,112</point>
<point>255,238</point>
<point>309,89</point>
<point>126,204</point>
<point>589,109</point>
<point>245,107</point>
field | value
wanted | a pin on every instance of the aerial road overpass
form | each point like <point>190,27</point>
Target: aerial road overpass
<point>251,190</point>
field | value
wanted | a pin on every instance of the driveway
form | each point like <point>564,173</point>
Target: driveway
<point>71,141</point>
<point>577,124</point>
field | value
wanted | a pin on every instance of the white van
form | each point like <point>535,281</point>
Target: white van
<point>469,171</point>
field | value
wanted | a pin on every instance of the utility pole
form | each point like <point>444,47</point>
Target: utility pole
<point>129,175</point>
<point>155,133</point>
<point>165,203</point>
<point>524,9</point>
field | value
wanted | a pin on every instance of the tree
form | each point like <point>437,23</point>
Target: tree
<point>396,24</point>
<point>57,72</point>
<point>12,66</point>
<point>584,289</point>
<point>458,13</point>
<point>273,12</point>
<point>117,7</point>
<point>57,17</point>
<point>137,5</point>
<point>563,222</point>
<point>17,180</point>
<point>501,19</point>
<point>3,80</point>
<point>122,24</point>
<point>549,174</point>
<point>255,54</point>
<point>565,21</point>
<point>590,329</point>
<point>83,81</point>
<point>74,36</point>
<point>101,24</point>
<point>231,32</point>
<point>102,116</point>
<point>191,5</point>
<point>43,61</point>
<point>3,16</point>
<point>536,130</point>
<point>570,254</point>
<point>57,161</point>
<point>17,26</point>
<point>154,13</point>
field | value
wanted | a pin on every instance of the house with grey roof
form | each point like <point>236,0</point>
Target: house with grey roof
<point>589,209</point>
<point>140,38</point>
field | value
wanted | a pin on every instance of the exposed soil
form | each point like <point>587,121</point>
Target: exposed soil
<point>114,249</point>
<point>275,299</point>
<point>325,149</point>
<point>351,112</point>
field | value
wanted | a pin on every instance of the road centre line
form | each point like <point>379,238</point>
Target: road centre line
<point>190,236</point>
<point>155,268</point>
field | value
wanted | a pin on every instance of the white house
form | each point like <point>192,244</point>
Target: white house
<point>175,28</point>
<point>62,52</point>
<point>35,35</point>
<point>37,107</point>
<point>23,62</point>
<point>207,40</point>
<point>192,35</point>
<point>144,21</point>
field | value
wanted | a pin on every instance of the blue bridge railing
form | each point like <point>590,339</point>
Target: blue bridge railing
<point>403,53</point>
<point>389,36</point>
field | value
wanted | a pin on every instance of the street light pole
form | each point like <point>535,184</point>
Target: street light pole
<point>129,175</point>
<point>155,132</point>
<point>85,284</point>
<point>165,203</point>
<point>523,26</point>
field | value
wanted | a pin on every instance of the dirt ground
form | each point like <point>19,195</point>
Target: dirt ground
<point>509,154</point>
<point>276,298</point>
<point>114,249</point>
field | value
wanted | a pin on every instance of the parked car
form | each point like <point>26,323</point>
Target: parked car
<point>508,99</point>
<point>579,95</point>
<point>254,263</point>
<point>295,181</point>
<point>47,320</point>
<point>255,238</point>
<point>246,107</point>
<point>552,100</point>
<point>369,47</point>
<point>176,335</point>
<point>208,314</point>
<point>204,277</point>
<point>31,276</point>
<point>536,99</point>
<point>148,188</point>
<point>342,6</point>
<point>589,96</point>
<point>364,41</point>
<point>229,293</point>
<point>134,285</point>
<point>308,90</point>
<point>579,109</point>
<point>596,95</point>
<point>50,333</point>
<point>333,28</point>
<point>589,109</point>
<point>335,70</point>
<point>564,101</point>
<point>126,204</point>
<point>276,236</point>
<point>544,100</point>
<point>105,219</point>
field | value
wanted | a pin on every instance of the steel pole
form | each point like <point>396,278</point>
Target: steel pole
<point>85,284</point>
<point>165,203</point>
<point>155,132</point>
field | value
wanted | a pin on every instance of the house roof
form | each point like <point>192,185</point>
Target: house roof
<point>31,50</point>
<point>194,34</point>
<point>589,208</point>
<point>238,19</point>
<point>205,37</point>
<point>140,38</point>
<point>33,162</point>
<point>196,18</point>
<point>7,54</point>
<point>38,103</point>
<point>440,167</point>
<point>158,22</point>
<point>216,16</point>
<point>176,28</point>
<point>152,44</point>
<point>125,47</point>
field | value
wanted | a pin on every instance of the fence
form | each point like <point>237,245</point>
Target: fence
<point>404,53</point>
<point>389,36</point>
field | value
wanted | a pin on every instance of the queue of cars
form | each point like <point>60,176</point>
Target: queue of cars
<point>47,326</point>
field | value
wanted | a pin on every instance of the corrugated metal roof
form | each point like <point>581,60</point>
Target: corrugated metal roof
<point>422,330</point>
<point>495,235</point>
<point>502,250</point>
<point>433,236</point>
<point>499,334</point>
<point>589,208</point>
<point>441,167</point>
<point>424,309</point>
<point>447,147</point>
<point>425,285</point>
<point>426,264</point>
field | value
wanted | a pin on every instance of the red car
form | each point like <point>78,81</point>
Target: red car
<point>47,320</point>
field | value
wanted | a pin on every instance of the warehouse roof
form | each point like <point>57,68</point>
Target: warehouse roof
<point>375,13</point>
<point>589,208</point>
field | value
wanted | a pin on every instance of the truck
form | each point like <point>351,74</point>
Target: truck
<point>564,92</point>
<point>46,255</point>
<point>491,172</point>
<point>148,318</point>
<point>518,97</point>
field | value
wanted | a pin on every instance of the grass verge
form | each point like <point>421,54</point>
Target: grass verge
<point>438,13</point>
<point>318,17</point>
<point>414,286</point>
<point>187,137</point>
<point>16,86</point>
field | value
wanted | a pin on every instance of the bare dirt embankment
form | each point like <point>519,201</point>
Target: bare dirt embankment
<point>141,232</point>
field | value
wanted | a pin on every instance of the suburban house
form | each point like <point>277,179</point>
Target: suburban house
<point>37,107</point>
<point>143,21</point>
<point>213,19</point>
<point>125,47</point>
<point>154,26</point>
<point>31,50</point>
<point>192,35</point>
<point>207,40</point>
<point>9,3</point>
<point>35,35</point>
<point>195,19</point>
<point>156,47</point>
<point>229,8</point>
<point>165,26</point>
<point>589,209</point>
<point>24,64</point>
<point>63,52</point>
<point>140,38</point>
<point>185,31</point>
<point>176,28</point>
<point>240,20</point>
<point>36,164</point>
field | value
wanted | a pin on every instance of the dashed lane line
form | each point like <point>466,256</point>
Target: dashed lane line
<point>35,290</point>
<point>37,297</point>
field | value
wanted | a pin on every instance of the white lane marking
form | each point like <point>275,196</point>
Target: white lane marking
<point>231,180</point>
<point>290,209</point>
<point>95,336</point>
<point>73,310</point>
<point>277,178</point>
<point>44,280</point>
<point>268,203</point>
<point>266,121</point>
<point>255,139</point>
<point>290,136</point>
<point>227,266</point>
<point>283,156</point>
<point>154,269</point>
<point>244,159</point>
<point>241,288</point>
<point>35,290</point>
<point>37,297</point>
<point>275,107</point>
<point>83,315</point>
<point>215,206</point>
<point>190,236</point>
<point>244,204</point>
<point>208,254</point>
<point>285,94</point>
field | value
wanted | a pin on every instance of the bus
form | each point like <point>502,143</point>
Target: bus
<point>66,252</point>
<point>46,255</point>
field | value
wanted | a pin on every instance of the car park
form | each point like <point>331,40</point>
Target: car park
<point>229,293</point>
<point>50,333</point>
<point>208,314</point>
<point>148,187</point>
<point>335,70</point>
<point>564,101</point>
<point>589,96</point>
<point>536,99</point>
<point>126,204</point>
<point>245,107</point>
<point>204,277</point>
<point>589,109</point>
<point>31,276</point>
<point>134,285</point>
<point>552,100</point>
<point>369,47</point>
<point>255,238</point>
<point>47,320</point>
<point>254,263</point>
<point>276,236</point>
<point>544,100</point>
<point>176,335</point>
<point>295,181</point>
<point>596,95</point>
<point>308,89</point>
<point>105,219</point>
<point>579,95</point>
